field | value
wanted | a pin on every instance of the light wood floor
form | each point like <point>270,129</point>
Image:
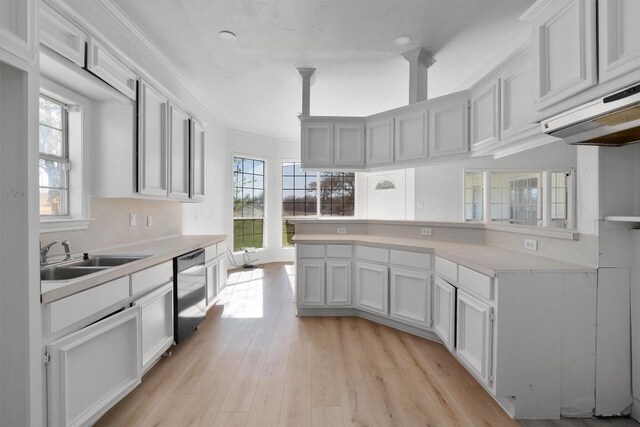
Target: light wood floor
<point>254,363</point>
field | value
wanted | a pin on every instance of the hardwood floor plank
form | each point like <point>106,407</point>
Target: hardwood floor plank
<point>253,362</point>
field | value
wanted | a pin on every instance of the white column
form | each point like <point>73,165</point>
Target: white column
<point>306,74</point>
<point>419,62</point>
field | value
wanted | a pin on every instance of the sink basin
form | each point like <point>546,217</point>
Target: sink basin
<point>106,260</point>
<point>67,272</point>
<point>77,268</point>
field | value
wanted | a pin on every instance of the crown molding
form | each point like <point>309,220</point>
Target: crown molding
<point>514,57</point>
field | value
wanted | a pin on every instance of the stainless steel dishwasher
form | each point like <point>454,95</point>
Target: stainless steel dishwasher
<point>189,304</point>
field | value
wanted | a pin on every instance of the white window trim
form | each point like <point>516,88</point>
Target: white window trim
<point>543,230</point>
<point>79,207</point>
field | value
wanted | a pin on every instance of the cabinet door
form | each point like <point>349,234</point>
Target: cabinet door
<point>179,124</point>
<point>18,29</point>
<point>411,136</point>
<point>152,141</point>
<point>59,34</point>
<point>311,282</point>
<point>222,273</point>
<point>485,114</point>
<point>372,287</point>
<point>109,68</point>
<point>317,144</point>
<point>564,50</point>
<point>474,335</point>
<point>212,281</point>
<point>92,369</point>
<point>411,296</point>
<point>449,128</point>
<point>619,37</point>
<point>338,282</point>
<point>444,311</point>
<point>516,94</point>
<point>349,144</point>
<point>156,324</point>
<point>197,161</point>
<point>380,145</point>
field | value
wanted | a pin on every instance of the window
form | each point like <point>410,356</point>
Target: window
<point>528,198</point>
<point>54,158</point>
<point>300,195</point>
<point>337,193</point>
<point>248,203</point>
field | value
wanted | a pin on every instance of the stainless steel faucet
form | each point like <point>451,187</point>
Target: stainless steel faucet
<point>44,252</point>
<point>67,249</point>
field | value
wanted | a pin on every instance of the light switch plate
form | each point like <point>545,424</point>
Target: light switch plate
<point>132,219</point>
<point>342,230</point>
<point>531,244</point>
<point>149,221</point>
<point>425,232</point>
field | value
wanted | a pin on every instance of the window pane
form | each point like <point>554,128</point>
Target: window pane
<point>52,174</point>
<point>50,113</point>
<point>247,233</point>
<point>247,165</point>
<point>523,204</point>
<point>287,182</point>
<point>337,193</point>
<point>288,230</point>
<point>473,196</point>
<point>299,193</point>
<point>287,168</point>
<point>51,141</point>
<point>53,202</point>
<point>258,167</point>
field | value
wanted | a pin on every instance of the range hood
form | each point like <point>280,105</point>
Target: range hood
<point>611,121</point>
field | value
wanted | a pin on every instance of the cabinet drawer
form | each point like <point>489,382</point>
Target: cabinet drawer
<point>151,277</point>
<point>411,259</point>
<point>447,269</point>
<point>311,251</point>
<point>372,254</point>
<point>475,282</point>
<point>65,312</point>
<point>339,251</point>
<point>210,252</point>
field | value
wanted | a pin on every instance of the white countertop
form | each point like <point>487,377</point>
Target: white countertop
<point>489,260</point>
<point>159,251</point>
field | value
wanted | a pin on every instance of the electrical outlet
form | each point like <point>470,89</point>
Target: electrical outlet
<point>425,232</point>
<point>149,221</point>
<point>342,230</point>
<point>531,244</point>
<point>132,219</point>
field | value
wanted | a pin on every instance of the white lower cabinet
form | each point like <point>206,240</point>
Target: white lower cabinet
<point>338,282</point>
<point>410,300</point>
<point>372,287</point>
<point>92,369</point>
<point>444,311</point>
<point>474,335</point>
<point>311,282</point>
<point>156,324</point>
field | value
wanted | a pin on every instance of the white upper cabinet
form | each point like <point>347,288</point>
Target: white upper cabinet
<point>619,37</point>
<point>564,49</point>
<point>179,124</point>
<point>349,144</point>
<point>109,68</point>
<point>449,125</point>
<point>516,97</point>
<point>380,142</point>
<point>17,28</point>
<point>152,141</point>
<point>197,161</point>
<point>411,135</point>
<point>485,114</point>
<point>61,35</point>
<point>317,144</point>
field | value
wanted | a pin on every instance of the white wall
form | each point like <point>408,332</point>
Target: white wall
<point>273,151</point>
<point>439,194</point>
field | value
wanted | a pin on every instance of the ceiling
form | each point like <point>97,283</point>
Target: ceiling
<point>252,84</point>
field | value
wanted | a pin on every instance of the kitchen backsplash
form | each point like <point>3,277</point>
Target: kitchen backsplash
<point>110,224</point>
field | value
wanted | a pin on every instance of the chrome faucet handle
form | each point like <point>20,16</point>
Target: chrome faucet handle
<point>67,249</point>
<point>44,250</point>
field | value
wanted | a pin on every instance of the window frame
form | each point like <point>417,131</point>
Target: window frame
<point>62,159</point>
<point>318,214</point>
<point>264,218</point>
<point>546,202</point>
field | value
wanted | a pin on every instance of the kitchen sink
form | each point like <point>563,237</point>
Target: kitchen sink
<point>73,269</point>
<point>67,272</point>
<point>106,260</point>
